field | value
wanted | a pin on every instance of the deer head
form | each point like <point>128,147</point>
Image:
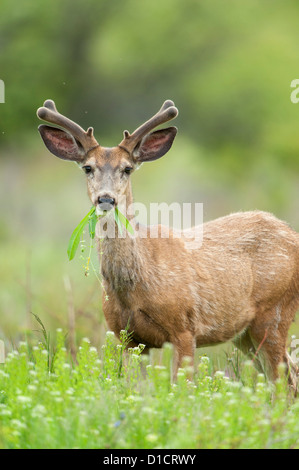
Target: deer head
<point>108,170</point>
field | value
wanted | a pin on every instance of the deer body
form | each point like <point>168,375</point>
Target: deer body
<point>240,283</point>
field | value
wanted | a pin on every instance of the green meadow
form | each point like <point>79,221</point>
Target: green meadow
<point>66,382</point>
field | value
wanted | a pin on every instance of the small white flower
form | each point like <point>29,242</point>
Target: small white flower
<point>217,396</point>
<point>147,410</point>
<point>247,390</point>
<point>23,399</point>
<point>38,410</point>
<point>219,373</point>
<point>205,360</point>
<point>135,356</point>
<point>18,424</point>
<point>110,334</point>
<point>3,374</point>
<point>152,437</point>
<point>236,385</point>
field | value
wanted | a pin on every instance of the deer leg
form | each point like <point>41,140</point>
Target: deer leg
<point>270,350</point>
<point>184,346</point>
<point>269,331</point>
<point>292,370</point>
<point>245,344</point>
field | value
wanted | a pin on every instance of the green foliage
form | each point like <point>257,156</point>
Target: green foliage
<point>120,219</point>
<point>119,399</point>
<point>91,219</point>
<point>76,236</point>
<point>227,66</point>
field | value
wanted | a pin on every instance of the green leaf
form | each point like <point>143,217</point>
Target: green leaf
<point>92,224</point>
<point>120,218</point>
<point>77,233</point>
<point>91,219</point>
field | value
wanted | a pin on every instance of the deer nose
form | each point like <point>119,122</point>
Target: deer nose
<point>106,203</point>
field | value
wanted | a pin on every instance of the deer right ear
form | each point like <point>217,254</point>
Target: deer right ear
<point>61,143</point>
<point>155,145</point>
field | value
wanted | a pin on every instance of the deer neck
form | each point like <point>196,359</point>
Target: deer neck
<point>119,254</point>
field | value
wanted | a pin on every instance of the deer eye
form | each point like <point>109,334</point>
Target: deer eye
<point>87,169</point>
<point>128,170</point>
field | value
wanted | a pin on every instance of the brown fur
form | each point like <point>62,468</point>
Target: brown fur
<point>240,284</point>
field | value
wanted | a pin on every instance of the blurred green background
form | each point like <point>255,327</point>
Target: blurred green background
<point>110,64</point>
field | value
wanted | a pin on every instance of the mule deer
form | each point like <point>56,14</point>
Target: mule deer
<point>241,283</point>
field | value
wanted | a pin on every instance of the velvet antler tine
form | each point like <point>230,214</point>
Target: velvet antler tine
<point>167,112</point>
<point>50,105</point>
<point>49,113</point>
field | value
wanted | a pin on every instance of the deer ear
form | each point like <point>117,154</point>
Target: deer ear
<point>61,143</point>
<point>155,145</point>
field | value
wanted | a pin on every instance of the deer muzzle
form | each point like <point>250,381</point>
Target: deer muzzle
<point>106,203</point>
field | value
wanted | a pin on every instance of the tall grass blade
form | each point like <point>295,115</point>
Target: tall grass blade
<point>77,233</point>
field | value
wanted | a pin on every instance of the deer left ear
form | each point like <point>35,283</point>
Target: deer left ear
<point>154,145</point>
<point>61,143</point>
